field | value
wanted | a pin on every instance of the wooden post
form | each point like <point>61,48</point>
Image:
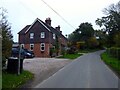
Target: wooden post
<point>19,59</point>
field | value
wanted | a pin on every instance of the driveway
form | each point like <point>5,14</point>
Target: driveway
<point>88,71</point>
<point>42,68</point>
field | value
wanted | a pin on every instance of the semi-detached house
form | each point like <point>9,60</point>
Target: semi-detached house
<point>41,38</point>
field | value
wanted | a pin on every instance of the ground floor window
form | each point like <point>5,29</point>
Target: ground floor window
<point>31,47</point>
<point>42,46</point>
<point>22,45</point>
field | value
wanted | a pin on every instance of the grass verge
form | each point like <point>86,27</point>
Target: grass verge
<point>112,62</point>
<point>70,56</point>
<point>13,80</point>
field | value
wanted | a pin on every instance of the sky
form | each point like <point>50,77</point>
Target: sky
<point>24,12</point>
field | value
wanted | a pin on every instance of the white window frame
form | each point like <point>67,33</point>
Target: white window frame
<point>30,47</point>
<point>42,35</point>
<point>42,46</point>
<point>31,35</point>
<point>22,46</point>
<point>54,36</point>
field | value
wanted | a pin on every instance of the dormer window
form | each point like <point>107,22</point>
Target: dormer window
<point>42,35</point>
<point>31,35</point>
<point>54,36</point>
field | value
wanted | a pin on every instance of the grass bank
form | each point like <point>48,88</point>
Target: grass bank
<point>114,63</point>
<point>70,56</point>
<point>13,80</point>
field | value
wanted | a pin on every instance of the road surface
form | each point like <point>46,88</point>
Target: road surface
<point>87,71</point>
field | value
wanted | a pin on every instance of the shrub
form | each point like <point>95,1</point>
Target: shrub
<point>71,50</point>
<point>52,52</point>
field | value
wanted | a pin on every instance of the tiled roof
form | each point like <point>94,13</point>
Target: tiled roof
<point>53,30</point>
<point>24,29</point>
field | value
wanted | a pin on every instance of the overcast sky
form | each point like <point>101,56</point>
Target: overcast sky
<point>24,12</point>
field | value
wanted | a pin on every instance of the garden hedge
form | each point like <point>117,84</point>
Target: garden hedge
<point>114,52</point>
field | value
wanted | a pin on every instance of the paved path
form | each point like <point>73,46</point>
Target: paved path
<point>88,71</point>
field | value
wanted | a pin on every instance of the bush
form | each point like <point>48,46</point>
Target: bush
<point>71,50</point>
<point>92,43</point>
<point>52,52</point>
<point>63,52</point>
<point>3,61</point>
<point>114,52</point>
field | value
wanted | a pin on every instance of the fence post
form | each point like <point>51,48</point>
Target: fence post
<point>19,59</point>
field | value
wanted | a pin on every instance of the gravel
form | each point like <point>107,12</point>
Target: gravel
<point>42,68</point>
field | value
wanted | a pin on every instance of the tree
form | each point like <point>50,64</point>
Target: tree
<point>81,34</point>
<point>86,31</point>
<point>117,40</point>
<point>80,45</point>
<point>6,36</point>
<point>92,43</point>
<point>111,22</point>
<point>101,37</point>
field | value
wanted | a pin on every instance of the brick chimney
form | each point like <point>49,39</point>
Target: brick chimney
<point>58,28</point>
<point>48,21</point>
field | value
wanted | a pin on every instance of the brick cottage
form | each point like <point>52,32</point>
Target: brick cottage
<point>41,38</point>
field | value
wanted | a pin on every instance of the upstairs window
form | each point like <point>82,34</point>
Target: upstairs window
<point>42,46</point>
<point>42,35</point>
<point>54,36</point>
<point>31,35</point>
<point>31,47</point>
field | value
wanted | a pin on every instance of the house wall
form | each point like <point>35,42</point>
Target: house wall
<point>37,50</point>
<point>22,38</point>
<point>64,41</point>
<point>37,28</point>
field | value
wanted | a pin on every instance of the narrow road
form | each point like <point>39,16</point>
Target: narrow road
<point>88,71</point>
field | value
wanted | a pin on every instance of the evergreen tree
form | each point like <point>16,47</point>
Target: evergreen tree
<point>6,36</point>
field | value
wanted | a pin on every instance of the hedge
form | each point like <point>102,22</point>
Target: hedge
<point>114,52</point>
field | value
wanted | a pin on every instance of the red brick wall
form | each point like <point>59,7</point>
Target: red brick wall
<point>21,38</point>
<point>27,46</point>
<point>37,50</point>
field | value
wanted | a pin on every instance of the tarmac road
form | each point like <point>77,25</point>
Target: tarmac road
<point>87,71</point>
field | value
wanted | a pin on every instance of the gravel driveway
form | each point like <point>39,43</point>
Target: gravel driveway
<point>42,68</point>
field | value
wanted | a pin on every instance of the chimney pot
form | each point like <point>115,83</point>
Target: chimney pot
<point>48,21</point>
<point>58,28</point>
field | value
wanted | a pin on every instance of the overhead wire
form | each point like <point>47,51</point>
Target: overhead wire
<point>58,14</point>
<point>27,8</point>
<point>48,7</point>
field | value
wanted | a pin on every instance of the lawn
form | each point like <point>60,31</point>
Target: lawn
<point>14,80</point>
<point>70,56</point>
<point>0,81</point>
<point>112,62</point>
